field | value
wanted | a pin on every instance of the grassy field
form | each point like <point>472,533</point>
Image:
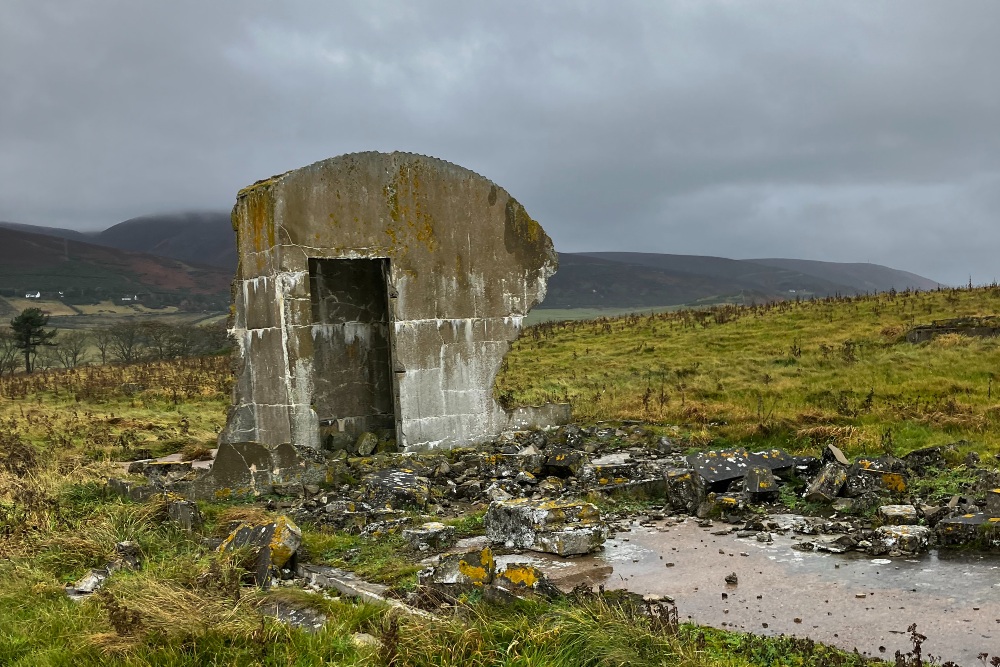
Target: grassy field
<point>790,374</point>
<point>794,374</point>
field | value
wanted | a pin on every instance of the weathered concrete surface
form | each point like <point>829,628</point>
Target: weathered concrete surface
<point>244,469</point>
<point>378,292</point>
<point>562,528</point>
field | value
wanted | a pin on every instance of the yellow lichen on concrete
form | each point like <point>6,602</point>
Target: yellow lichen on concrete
<point>520,575</point>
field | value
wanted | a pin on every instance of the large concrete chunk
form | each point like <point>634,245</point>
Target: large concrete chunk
<point>562,528</point>
<point>274,545</point>
<point>909,539</point>
<point>827,484</point>
<point>379,293</point>
<point>474,567</point>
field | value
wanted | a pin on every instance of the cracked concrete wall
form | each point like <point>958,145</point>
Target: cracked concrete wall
<point>463,264</point>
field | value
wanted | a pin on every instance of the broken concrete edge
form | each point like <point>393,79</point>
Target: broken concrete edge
<point>326,577</point>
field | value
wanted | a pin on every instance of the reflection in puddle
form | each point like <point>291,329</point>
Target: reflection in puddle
<point>848,600</point>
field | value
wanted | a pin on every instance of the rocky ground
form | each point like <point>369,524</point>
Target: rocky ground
<point>544,492</point>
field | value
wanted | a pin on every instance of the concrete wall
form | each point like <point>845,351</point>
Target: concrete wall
<point>464,264</point>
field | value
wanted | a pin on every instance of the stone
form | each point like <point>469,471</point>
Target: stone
<point>908,538</point>
<point>564,462</point>
<point>898,515</point>
<point>494,492</point>
<point>619,473</point>
<point>396,488</point>
<point>132,490</point>
<point>562,528</point>
<point>360,303</point>
<point>472,568</point>
<point>720,505</point>
<point>250,469</point>
<point>723,465</point>
<point>993,502</point>
<point>522,578</point>
<point>974,528</point>
<point>128,555</point>
<point>684,489</point>
<point>732,579</point>
<point>759,485</point>
<point>274,545</point>
<point>185,514</point>
<point>431,535</point>
<point>833,454</point>
<point>775,460</point>
<point>827,484</point>
<point>366,444</point>
<point>87,584</point>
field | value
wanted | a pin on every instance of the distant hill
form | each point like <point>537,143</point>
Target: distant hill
<point>642,280</point>
<point>49,231</point>
<point>86,272</point>
<point>612,280</point>
<point>863,277</point>
<point>203,237</point>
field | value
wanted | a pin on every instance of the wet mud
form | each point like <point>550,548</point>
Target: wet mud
<point>846,600</point>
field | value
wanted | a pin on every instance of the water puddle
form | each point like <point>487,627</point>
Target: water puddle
<point>849,600</point>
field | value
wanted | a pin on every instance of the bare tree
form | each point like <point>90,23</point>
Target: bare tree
<point>127,341</point>
<point>102,341</point>
<point>9,352</point>
<point>71,351</point>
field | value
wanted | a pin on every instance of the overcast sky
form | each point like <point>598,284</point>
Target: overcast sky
<point>842,131</point>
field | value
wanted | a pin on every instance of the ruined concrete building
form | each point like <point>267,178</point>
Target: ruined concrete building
<point>378,293</point>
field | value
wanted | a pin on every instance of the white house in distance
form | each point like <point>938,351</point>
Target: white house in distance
<point>33,295</point>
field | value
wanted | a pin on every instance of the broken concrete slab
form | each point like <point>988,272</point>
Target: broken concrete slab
<point>904,538</point>
<point>396,488</point>
<point>431,535</point>
<point>136,491</point>
<point>975,529</point>
<point>470,568</point>
<point>562,462</point>
<point>719,466</point>
<point>562,528</point>
<point>274,545</point>
<point>759,485</point>
<point>898,515</point>
<point>826,485</point>
<point>361,305</point>
<point>248,469</point>
<point>185,514</point>
<point>684,489</point>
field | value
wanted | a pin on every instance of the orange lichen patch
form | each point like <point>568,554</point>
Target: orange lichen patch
<point>521,575</point>
<point>894,482</point>
<point>285,541</point>
<point>478,574</point>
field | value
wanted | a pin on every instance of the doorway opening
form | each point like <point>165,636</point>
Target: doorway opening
<point>352,359</point>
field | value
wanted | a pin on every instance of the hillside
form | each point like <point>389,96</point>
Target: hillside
<point>790,374</point>
<point>593,280</point>
<point>869,278</point>
<point>86,272</point>
<point>642,280</point>
<point>204,237</point>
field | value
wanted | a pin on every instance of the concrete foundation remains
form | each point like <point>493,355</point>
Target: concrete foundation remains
<point>378,293</point>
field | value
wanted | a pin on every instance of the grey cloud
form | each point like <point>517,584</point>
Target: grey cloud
<point>850,131</point>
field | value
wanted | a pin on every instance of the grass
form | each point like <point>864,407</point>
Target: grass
<point>774,374</point>
<point>796,375</point>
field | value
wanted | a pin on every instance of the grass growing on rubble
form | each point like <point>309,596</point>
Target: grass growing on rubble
<point>791,374</point>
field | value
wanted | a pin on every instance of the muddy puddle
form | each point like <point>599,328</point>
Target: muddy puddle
<point>846,600</point>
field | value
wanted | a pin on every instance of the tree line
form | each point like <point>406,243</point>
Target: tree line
<point>28,344</point>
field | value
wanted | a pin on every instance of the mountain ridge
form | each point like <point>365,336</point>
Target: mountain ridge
<point>584,280</point>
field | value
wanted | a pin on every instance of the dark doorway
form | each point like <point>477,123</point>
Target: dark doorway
<point>352,385</point>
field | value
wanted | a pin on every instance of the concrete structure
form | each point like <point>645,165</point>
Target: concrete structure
<point>378,293</point>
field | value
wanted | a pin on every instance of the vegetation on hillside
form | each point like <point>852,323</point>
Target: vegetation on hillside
<point>793,373</point>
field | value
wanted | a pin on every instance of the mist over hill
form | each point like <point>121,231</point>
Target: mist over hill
<point>584,280</point>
